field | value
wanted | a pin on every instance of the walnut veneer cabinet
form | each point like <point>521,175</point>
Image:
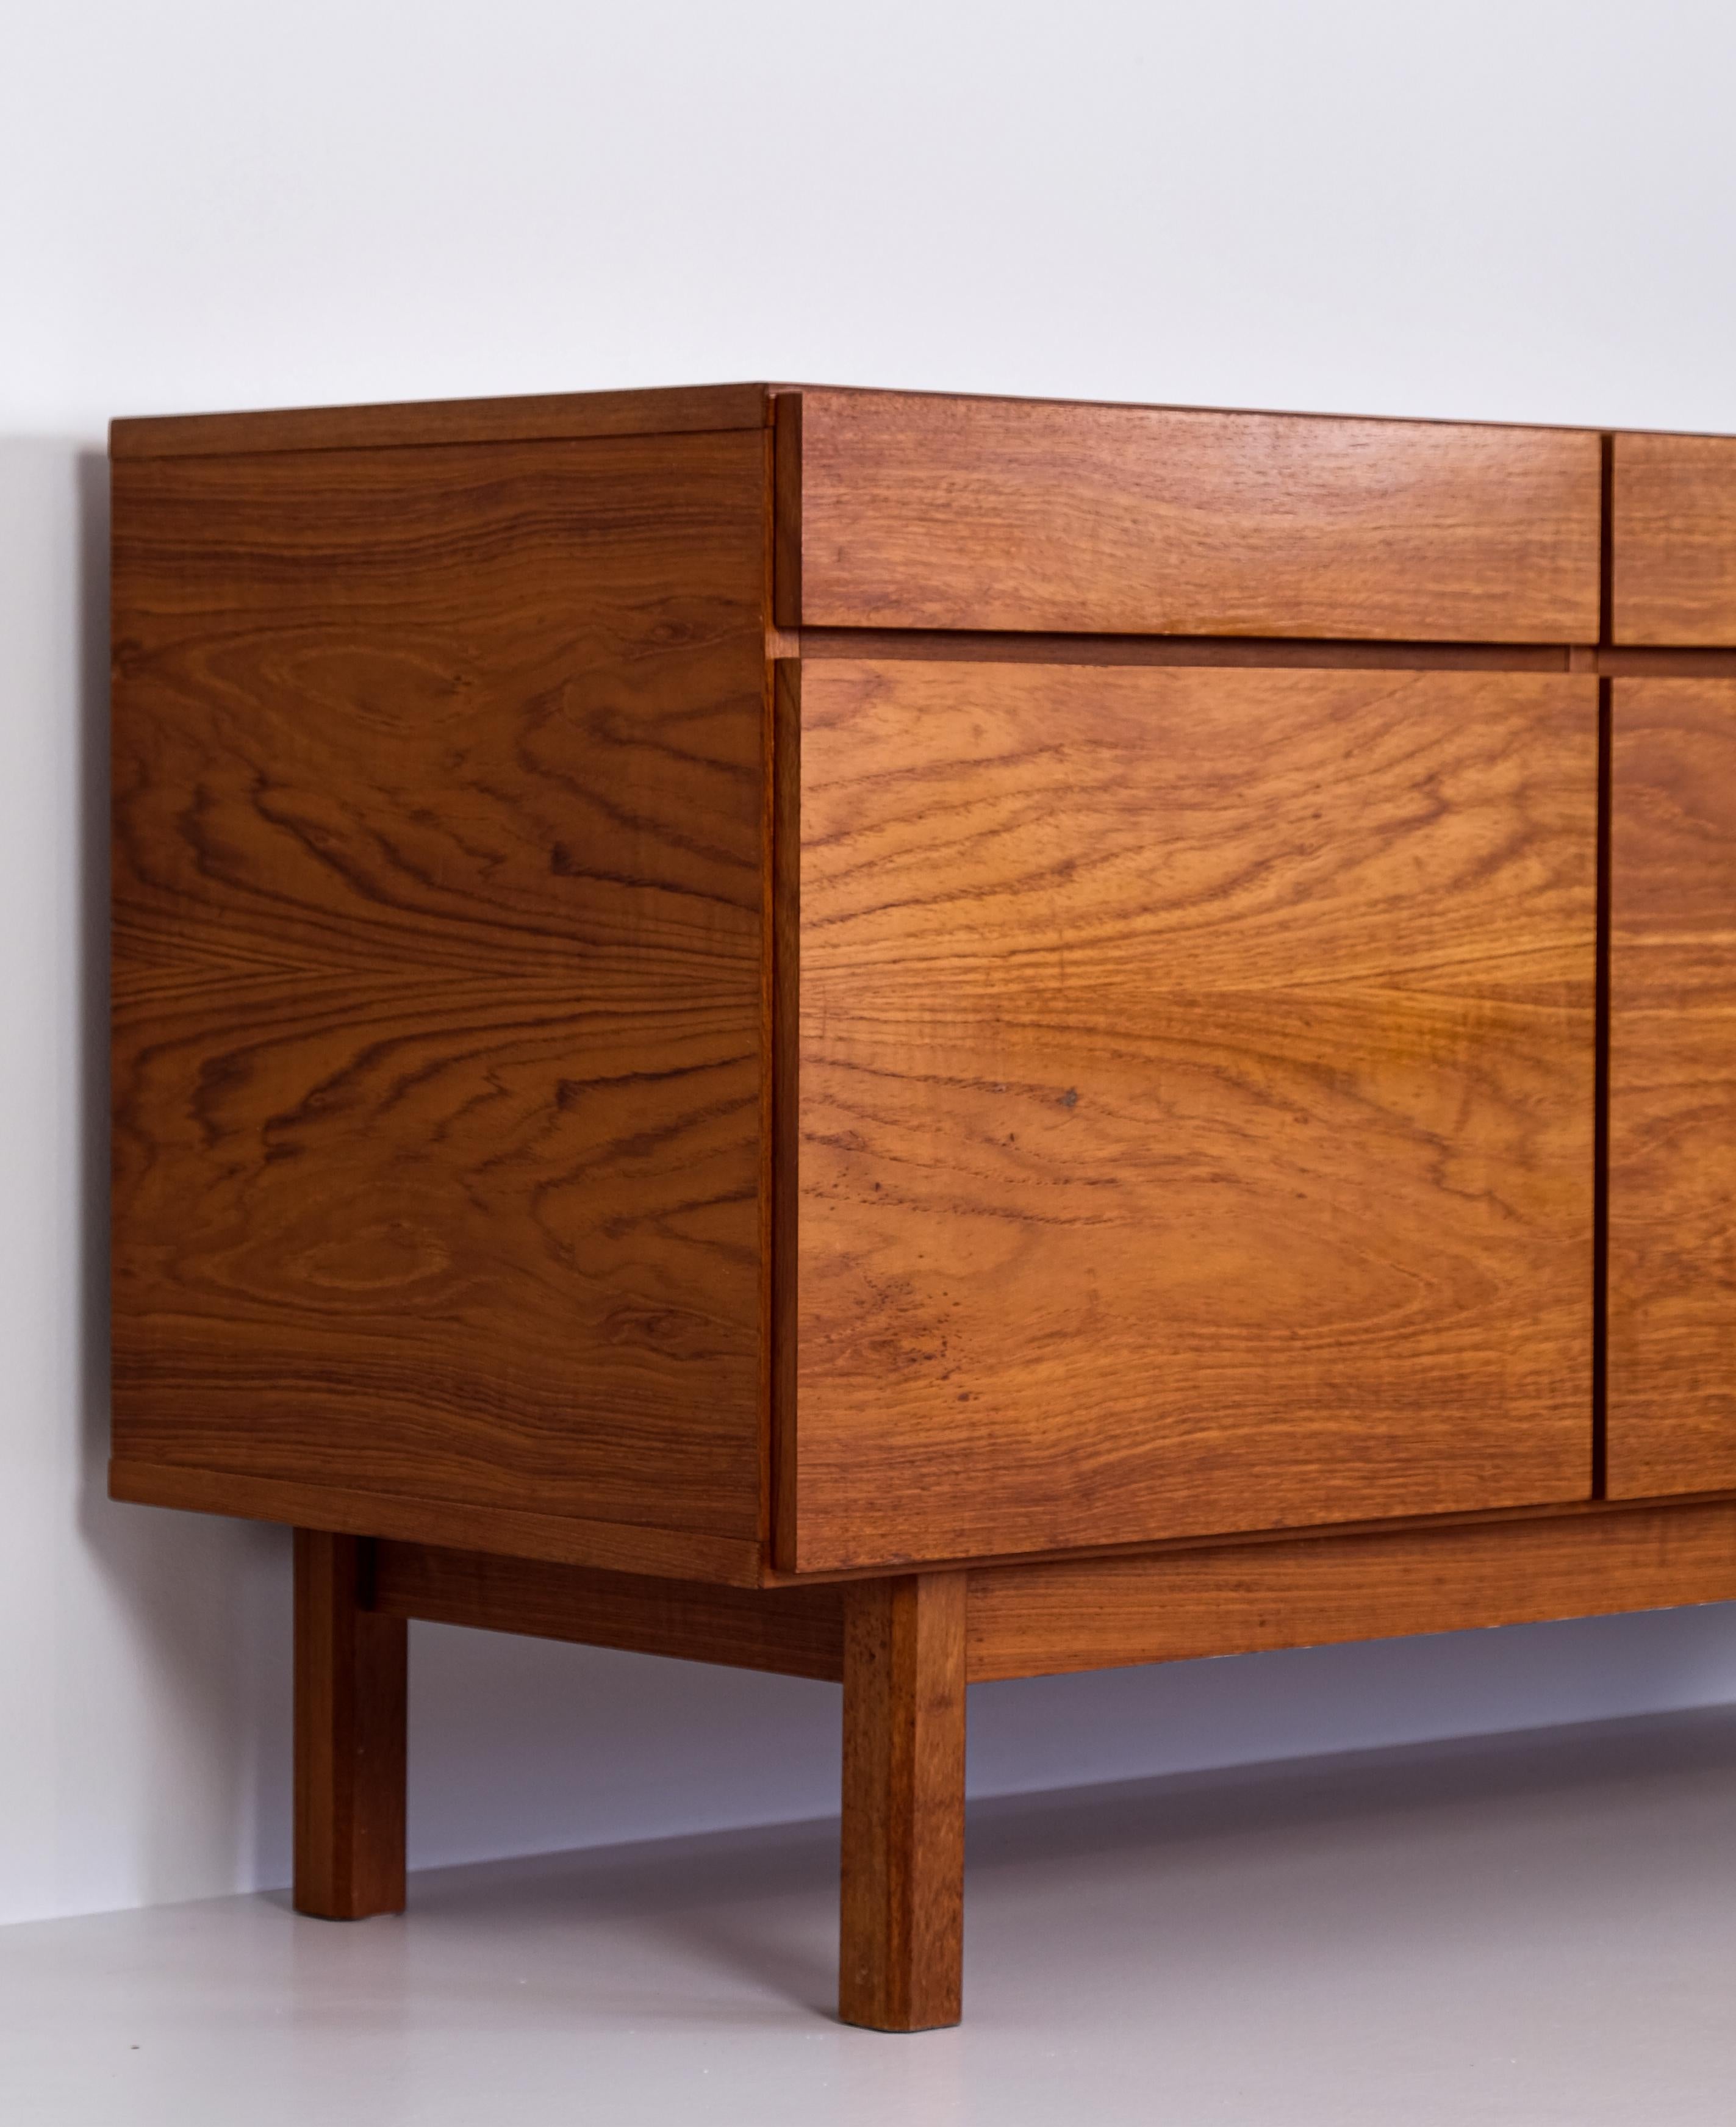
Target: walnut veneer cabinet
<point>908,1038</point>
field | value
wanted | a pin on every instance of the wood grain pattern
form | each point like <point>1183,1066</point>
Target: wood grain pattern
<point>794,1631</point>
<point>1673,540</point>
<point>1052,1616</point>
<point>932,512</point>
<point>439,791</point>
<point>902,1878</point>
<point>351,1677</point>
<point>549,417</point>
<point>1671,1423</point>
<point>1196,1102</point>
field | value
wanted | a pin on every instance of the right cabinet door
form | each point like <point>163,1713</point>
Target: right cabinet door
<point>1671,1357</point>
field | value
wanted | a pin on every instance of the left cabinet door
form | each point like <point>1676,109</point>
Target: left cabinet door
<point>1195,1078</point>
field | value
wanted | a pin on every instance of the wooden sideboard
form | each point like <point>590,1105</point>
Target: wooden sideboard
<point>908,1038</point>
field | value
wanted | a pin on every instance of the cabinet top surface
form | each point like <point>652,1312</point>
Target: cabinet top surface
<point>669,409</point>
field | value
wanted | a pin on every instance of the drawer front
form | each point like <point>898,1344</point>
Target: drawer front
<point>1673,540</point>
<point>908,511</point>
<point>1672,1089</point>
<point>1196,1102</point>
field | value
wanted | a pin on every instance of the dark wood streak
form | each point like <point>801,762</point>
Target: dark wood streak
<point>984,646</point>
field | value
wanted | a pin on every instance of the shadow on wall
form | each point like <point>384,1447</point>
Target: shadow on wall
<point>197,1720</point>
<point>519,1746</point>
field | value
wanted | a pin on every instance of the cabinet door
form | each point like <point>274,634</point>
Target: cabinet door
<point>1672,1089</point>
<point>1195,1103</point>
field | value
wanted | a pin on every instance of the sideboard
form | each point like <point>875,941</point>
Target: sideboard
<point>909,1039</point>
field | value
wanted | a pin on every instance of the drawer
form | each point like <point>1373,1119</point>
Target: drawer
<point>1673,540</point>
<point>908,511</point>
<point>1195,1102</point>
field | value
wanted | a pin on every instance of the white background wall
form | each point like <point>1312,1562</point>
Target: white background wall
<point>1516,209</point>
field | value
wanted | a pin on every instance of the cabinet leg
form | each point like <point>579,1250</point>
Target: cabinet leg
<point>351,1671</point>
<point>901,1938</point>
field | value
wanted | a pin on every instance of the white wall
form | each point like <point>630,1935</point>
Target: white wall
<point>1502,208</point>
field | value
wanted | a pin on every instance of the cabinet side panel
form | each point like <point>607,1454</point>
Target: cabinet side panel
<point>1196,1100</point>
<point>1672,1089</point>
<point>438,780</point>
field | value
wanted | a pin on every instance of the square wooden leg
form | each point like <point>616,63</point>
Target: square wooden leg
<point>902,1937</point>
<point>351,1673</point>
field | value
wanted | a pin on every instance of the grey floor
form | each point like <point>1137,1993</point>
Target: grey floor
<point>1527,1930</point>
